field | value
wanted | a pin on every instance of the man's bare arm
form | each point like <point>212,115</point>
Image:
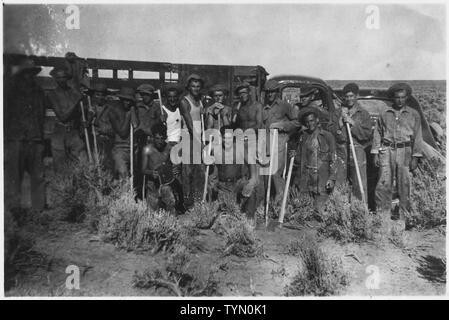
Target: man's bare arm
<point>184,109</point>
<point>63,115</point>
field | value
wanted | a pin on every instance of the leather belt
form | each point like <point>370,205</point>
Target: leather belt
<point>397,144</point>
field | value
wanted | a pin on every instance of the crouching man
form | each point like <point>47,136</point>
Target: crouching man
<point>315,157</point>
<point>161,188</point>
<point>235,178</point>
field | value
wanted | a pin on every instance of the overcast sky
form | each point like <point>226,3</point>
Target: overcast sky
<point>327,41</point>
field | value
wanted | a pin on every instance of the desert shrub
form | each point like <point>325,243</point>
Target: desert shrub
<point>179,276</point>
<point>241,240</point>
<point>133,226</point>
<point>428,197</point>
<point>318,274</point>
<point>300,207</point>
<point>347,221</point>
<point>80,188</point>
<point>19,257</point>
<point>204,215</point>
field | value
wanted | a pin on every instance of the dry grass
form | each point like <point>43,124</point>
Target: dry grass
<point>204,215</point>
<point>428,197</point>
<point>241,240</point>
<point>300,207</point>
<point>133,226</point>
<point>179,276</point>
<point>80,189</point>
<point>318,275</point>
<point>348,221</point>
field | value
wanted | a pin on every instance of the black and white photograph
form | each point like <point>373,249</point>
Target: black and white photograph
<point>249,150</point>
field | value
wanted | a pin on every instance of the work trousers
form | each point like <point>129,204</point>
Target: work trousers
<point>394,171</point>
<point>346,169</point>
<point>66,146</point>
<point>121,159</point>
<point>278,182</point>
<point>21,157</point>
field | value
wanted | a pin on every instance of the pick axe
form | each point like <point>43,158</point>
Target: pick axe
<point>86,136</point>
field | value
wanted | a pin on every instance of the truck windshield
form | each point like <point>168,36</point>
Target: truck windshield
<point>291,95</point>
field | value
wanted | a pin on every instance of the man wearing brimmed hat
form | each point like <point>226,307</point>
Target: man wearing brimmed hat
<point>66,140</point>
<point>24,112</point>
<point>280,115</point>
<point>191,108</point>
<point>315,158</point>
<point>361,125</point>
<point>397,146</point>
<point>105,133</point>
<point>121,117</point>
<point>218,114</point>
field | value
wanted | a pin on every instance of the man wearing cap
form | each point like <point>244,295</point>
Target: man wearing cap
<point>279,115</point>
<point>121,117</point>
<point>191,108</point>
<point>66,141</point>
<point>103,128</point>
<point>397,146</point>
<point>315,158</point>
<point>149,114</point>
<point>24,112</point>
<point>360,123</point>
<point>218,114</point>
<point>148,110</point>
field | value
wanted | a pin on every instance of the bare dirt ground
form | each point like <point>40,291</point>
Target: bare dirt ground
<point>108,271</point>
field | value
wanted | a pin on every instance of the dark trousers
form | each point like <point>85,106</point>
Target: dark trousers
<point>21,157</point>
<point>346,169</point>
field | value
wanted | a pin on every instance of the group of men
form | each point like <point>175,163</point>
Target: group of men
<point>135,135</point>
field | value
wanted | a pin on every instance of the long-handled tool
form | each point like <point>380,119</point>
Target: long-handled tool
<point>356,164</point>
<point>94,135</point>
<point>272,155</point>
<point>285,164</point>
<point>206,177</point>
<point>131,154</point>
<point>144,187</point>
<point>287,186</point>
<point>160,100</point>
<point>86,135</point>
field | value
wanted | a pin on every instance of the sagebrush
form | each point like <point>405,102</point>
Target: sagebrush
<point>428,197</point>
<point>346,220</point>
<point>318,274</point>
<point>179,276</point>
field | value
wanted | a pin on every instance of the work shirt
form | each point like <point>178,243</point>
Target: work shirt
<point>149,115</point>
<point>316,158</point>
<point>280,112</point>
<point>399,126</point>
<point>361,130</point>
<point>24,113</point>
